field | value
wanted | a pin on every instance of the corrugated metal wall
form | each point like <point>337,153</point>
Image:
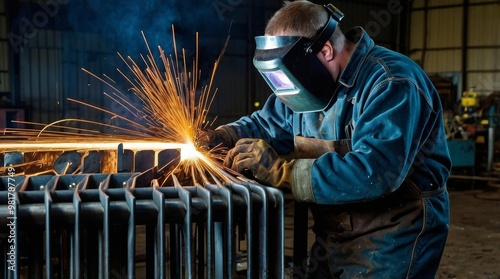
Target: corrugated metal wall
<point>483,54</point>
<point>442,46</point>
<point>380,19</point>
<point>50,72</point>
<point>241,89</point>
<point>4,52</point>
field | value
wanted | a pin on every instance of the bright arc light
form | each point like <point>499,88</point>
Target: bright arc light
<point>189,152</point>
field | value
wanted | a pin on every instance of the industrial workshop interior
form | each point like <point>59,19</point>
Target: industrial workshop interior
<point>101,103</point>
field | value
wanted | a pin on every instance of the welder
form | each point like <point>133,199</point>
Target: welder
<point>355,130</point>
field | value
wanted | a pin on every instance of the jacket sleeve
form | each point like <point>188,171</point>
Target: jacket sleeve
<point>272,123</point>
<point>395,120</point>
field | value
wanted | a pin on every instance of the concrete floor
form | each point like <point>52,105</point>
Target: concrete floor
<point>473,246</point>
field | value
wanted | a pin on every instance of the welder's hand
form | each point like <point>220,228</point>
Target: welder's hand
<point>213,138</point>
<point>209,139</point>
<point>256,158</point>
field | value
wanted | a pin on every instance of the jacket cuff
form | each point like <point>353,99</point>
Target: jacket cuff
<point>228,135</point>
<point>302,188</point>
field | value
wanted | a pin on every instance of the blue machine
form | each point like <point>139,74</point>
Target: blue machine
<point>462,152</point>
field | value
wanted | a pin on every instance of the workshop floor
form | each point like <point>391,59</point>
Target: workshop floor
<point>473,247</point>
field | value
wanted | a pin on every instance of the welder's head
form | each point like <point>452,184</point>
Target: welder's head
<point>287,58</point>
<point>298,18</point>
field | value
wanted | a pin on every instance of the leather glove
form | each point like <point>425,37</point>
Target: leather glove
<point>220,137</point>
<point>256,158</point>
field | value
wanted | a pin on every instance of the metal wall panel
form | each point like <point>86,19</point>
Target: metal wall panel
<point>445,28</point>
<point>417,33</point>
<point>441,45</point>
<point>483,68</point>
<point>484,22</point>
<point>4,67</point>
<point>50,72</point>
<point>484,82</point>
<point>443,61</point>
<point>483,1</point>
<point>3,24</point>
<point>236,77</point>
<point>445,48</point>
<point>380,20</point>
<point>483,59</point>
<point>4,51</point>
<point>434,3</point>
<point>483,54</point>
<point>434,46</point>
<point>232,97</point>
<point>445,2</point>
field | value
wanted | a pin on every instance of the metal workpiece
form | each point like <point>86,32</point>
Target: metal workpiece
<point>110,159</point>
<point>127,225</point>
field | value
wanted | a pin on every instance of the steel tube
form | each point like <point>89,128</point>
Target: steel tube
<point>89,226</point>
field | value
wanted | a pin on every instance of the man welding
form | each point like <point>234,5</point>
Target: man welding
<point>356,130</point>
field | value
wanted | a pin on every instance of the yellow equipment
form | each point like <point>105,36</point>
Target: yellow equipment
<point>469,100</point>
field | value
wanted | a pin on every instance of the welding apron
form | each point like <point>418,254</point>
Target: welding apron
<point>401,235</point>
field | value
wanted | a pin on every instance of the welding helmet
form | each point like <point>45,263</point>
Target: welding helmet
<point>291,68</point>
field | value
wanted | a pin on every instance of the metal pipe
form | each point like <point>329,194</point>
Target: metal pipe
<point>245,192</point>
<point>206,196</point>
<point>85,209</point>
<point>105,234</point>
<point>159,200</point>
<point>77,201</point>
<point>224,259</point>
<point>262,229</point>
<point>436,7</point>
<point>48,231</point>
<point>185,197</point>
<point>27,146</point>
<point>491,146</point>
<point>130,199</point>
<point>465,42</point>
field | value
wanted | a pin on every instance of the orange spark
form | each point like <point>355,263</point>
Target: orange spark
<point>171,114</point>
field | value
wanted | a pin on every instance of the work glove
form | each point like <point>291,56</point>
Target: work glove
<point>220,137</point>
<point>257,160</point>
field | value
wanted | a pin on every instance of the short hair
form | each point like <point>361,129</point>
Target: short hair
<point>302,18</point>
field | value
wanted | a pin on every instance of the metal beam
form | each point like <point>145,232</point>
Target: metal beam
<point>403,32</point>
<point>455,5</point>
<point>465,37</point>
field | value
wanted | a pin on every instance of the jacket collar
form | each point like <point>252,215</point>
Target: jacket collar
<point>364,44</point>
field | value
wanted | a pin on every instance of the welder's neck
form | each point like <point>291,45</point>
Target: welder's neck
<point>349,48</point>
<point>345,55</point>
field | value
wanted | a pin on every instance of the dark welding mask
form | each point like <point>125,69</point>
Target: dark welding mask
<point>291,68</point>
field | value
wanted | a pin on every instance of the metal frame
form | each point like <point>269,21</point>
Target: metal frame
<point>92,219</point>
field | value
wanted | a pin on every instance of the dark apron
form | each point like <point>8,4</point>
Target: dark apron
<point>401,235</point>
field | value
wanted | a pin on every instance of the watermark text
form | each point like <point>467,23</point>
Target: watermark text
<point>12,219</point>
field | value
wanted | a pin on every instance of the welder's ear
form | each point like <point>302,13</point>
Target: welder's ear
<point>327,52</point>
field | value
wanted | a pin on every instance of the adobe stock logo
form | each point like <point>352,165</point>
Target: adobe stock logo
<point>29,27</point>
<point>383,18</point>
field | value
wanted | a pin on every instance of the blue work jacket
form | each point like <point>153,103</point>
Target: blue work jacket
<point>393,114</point>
